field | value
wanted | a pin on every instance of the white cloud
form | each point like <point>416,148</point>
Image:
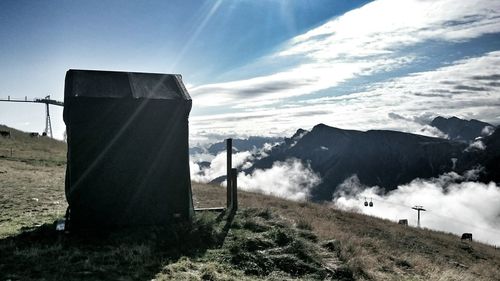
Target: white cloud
<point>289,179</point>
<point>476,145</point>
<point>405,103</point>
<point>364,42</point>
<point>487,131</point>
<point>304,79</point>
<point>384,26</point>
<point>218,166</point>
<point>201,157</point>
<point>361,42</point>
<point>201,172</point>
<point>452,204</point>
<point>431,131</point>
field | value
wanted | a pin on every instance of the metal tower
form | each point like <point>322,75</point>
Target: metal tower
<point>46,101</point>
<point>418,209</point>
<point>48,124</point>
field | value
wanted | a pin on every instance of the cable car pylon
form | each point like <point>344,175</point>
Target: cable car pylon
<point>47,101</point>
<point>418,209</point>
<point>48,124</point>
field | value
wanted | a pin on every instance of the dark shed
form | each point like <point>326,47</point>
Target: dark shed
<point>128,161</point>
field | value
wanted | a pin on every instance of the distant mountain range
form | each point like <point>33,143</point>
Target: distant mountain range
<point>380,157</point>
<point>238,145</point>
<point>462,130</point>
<point>385,158</point>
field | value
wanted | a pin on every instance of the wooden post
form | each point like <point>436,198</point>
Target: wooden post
<point>229,153</point>
<point>234,187</point>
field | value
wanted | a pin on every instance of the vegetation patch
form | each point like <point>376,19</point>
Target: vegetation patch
<point>282,249</point>
<point>97,255</point>
<point>201,250</point>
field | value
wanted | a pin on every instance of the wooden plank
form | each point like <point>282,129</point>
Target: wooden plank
<point>212,209</point>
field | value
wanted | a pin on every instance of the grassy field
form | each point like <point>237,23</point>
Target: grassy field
<point>268,238</point>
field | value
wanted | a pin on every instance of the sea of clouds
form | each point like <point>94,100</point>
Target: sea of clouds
<point>291,179</point>
<point>454,203</point>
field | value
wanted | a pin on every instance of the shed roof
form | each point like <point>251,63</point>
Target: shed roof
<point>114,84</point>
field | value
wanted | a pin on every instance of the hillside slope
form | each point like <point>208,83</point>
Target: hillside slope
<point>269,238</point>
<point>22,146</point>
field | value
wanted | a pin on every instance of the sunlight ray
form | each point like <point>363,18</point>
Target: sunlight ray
<point>195,34</point>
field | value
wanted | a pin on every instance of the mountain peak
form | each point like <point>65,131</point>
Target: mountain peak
<point>299,133</point>
<point>460,129</point>
<point>322,126</point>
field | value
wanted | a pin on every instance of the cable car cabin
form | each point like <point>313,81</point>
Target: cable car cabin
<point>127,136</point>
<point>368,204</point>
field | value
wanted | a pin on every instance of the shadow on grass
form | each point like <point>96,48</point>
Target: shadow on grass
<point>125,254</point>
<point>228,220</point>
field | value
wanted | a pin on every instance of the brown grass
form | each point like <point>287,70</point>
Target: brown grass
<point>38,150</point>
<point>31,181</point>
<point>377,249</point>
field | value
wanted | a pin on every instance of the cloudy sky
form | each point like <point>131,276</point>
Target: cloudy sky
<point>266,67</point>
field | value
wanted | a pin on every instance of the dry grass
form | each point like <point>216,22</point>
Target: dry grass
<point>31,181</point>
<point>377,249</point>
<point>39,150</point>
<point>29,195</point>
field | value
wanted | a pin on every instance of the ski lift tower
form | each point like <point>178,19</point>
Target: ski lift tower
<point>47,101</point>
<point>418,209</point>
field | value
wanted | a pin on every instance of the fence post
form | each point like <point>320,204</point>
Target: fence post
<point>229,152</point>
<point>234,187</point>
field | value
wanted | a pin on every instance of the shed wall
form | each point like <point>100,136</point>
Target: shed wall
<point>128,161</point>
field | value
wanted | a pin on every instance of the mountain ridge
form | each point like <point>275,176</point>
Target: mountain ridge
<point>461,129</point>
<point>378,157</point>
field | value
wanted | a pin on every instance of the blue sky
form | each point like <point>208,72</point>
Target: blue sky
<point>276,63</point>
